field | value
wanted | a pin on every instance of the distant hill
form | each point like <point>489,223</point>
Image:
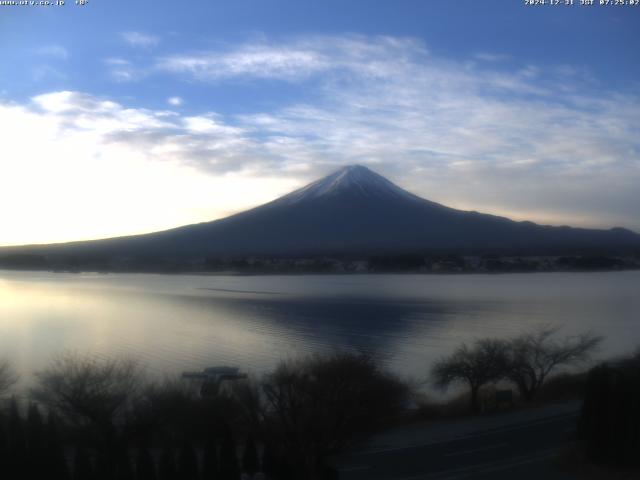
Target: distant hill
<point>353,211</point>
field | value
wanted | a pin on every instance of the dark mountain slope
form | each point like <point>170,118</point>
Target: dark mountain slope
<point>353,210</point>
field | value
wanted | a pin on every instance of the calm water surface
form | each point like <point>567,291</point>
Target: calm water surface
<point>180,322</point>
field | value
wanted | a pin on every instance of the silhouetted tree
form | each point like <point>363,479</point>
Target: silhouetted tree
<point>170,406</point>
<point>106,465</point>
<point>124,468</point>
<point>610,420</point>
<point>210,468</point>
<point>320,405</point>
<point>484,362</point>
<point>82,464</point>
<point>187,462</point>
<point>7,377</point>
<point>86,389</point>
<point>329,472</point>
<point>276,465</point>
<point>249,400</point>
<point>35,429</point>
<point>36,442</point>
<point>250,462</point>
<point>167,470</point>
<point>228,456</point>
<point>145,466</point>
<point>17,461</point>
<point>90,393</point>
<point>594,421</point>
<point>269,462</point>
<point>56,463</point>
<point>534,355</point>
<point>286,463</point>
<point>4,445</point>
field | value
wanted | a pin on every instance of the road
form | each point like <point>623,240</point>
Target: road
<point>520,451</point>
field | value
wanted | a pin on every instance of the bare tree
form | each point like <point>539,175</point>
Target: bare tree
<point>249,401</point>
<point>8,378</point>
<point>534,355</point>
<point>319,405</point>
<point>173,405</point>
<point>483,363</point>
<point>88,391</point>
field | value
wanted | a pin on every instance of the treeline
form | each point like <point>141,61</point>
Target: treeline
<point>104,421</point>
<point>413,263</point>
<point>87,418</point>
<point>610,422</point>
<point>526,361</point>
<point>31,447</point>
<point>34,448</point>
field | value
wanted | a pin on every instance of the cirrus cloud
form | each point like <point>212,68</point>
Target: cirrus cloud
<point>55,51</point>
<point>139,39</point>
<point>466,133</point>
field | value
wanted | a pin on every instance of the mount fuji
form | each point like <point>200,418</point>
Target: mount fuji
<point>351,211</point>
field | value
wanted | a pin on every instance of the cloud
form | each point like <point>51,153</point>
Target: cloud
<point>294,61</point>
<point>492,57</point>
<point>472,137</point>
<point>174,101</point>
<point>205,141</point>
<point>80,166</point>
<point>122,70</point>
<point>41,73</point>
<point>54,51</point>
<point>256,62</point>
<point>476,138</point>
<point>139,39</point>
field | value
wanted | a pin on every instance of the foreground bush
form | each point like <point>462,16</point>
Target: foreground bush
<point>87,391</point>
<point>106,421</point>
<point>319,406</point>
<point>7,377</point>
<point>610,421</point>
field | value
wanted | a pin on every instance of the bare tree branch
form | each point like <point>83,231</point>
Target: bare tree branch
<point>319,405</point>
<point>8,378</point>
<point>86,390</point>
<point>483,363</point>
<point>534,355</point>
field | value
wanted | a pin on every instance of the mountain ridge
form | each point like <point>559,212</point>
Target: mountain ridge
<point>351,211</point>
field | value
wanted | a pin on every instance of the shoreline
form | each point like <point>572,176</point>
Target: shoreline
<point>237,273</point>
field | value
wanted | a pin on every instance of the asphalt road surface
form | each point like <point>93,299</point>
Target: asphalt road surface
<point>521,451</point>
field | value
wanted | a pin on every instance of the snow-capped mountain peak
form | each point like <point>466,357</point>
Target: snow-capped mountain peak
<point>354,180</point>
<point>351,211</point>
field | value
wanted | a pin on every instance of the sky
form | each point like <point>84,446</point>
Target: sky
<point>121,117</point>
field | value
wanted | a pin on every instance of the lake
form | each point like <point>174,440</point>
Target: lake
<point>184,322</point>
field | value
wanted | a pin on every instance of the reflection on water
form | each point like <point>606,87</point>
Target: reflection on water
<point>180,322</point>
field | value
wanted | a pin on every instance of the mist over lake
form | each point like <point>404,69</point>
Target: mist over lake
<point>182,322</point>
